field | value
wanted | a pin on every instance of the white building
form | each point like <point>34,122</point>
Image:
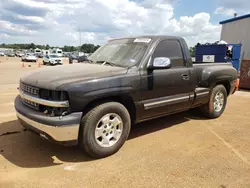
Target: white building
<point>237,30</point>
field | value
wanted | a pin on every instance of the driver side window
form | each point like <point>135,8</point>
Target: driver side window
<point>170,49</point>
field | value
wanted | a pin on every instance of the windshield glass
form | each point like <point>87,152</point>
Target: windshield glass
<point>122,52</point>
<point>53,56</point>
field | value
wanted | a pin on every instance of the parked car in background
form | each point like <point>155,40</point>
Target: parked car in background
<point>40,55</point>
<point>10,54</point>
<point>20,54</point>
<point>52,60</point>
<point>72,57</point>
<point>2,54</point>
<point>77,59</point>
<point>29,58</point>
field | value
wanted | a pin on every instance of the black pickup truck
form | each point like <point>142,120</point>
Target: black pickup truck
<point>126,81</point>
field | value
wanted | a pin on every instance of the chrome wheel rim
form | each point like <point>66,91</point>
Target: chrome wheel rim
<point>218,101</point>
<point>108,130</point>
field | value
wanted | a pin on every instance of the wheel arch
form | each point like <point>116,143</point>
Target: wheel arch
<point>125,100</point>
<point>226,84</point>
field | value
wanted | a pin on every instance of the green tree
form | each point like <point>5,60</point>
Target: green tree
<point>96,47</point>
<point>88,48</point>
<point>192,51</point>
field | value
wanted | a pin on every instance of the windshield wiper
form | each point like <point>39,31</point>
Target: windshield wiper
<point>106,62</point>
<point>89,60</point>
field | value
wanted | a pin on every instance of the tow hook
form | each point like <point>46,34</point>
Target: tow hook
<point>63,114</point>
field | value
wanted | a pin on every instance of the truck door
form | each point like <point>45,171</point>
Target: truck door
<point>168,90</point>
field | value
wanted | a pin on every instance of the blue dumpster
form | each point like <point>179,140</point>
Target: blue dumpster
<point>217,53</point>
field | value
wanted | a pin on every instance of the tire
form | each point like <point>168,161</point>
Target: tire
<point>88,140</point>
<point>44,63</point>
<point>211,109</point>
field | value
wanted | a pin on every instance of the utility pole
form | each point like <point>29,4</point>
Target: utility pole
<point>80,36</point>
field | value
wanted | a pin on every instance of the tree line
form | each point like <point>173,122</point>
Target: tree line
<point>87,48</point>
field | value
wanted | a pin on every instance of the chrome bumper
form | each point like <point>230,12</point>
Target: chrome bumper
<point>60,134</point>
<point>59,129</point>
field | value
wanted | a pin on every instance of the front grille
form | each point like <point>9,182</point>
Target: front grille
<point>29,89</point>
<point>31,104</point>
<point>44,94</point>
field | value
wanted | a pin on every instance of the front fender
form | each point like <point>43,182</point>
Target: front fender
<point>79,101</point>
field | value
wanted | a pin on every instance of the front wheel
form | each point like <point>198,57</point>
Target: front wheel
<point>104,129</point>
<point>217,102</point>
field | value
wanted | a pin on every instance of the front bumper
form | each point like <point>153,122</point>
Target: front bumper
<point>62,129</point>
<point>30,60</point>
<point>55,62</point>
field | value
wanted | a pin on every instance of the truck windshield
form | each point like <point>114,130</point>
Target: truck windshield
<point>122,52</point>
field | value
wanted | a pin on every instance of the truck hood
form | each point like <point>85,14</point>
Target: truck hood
<point>54,77</point>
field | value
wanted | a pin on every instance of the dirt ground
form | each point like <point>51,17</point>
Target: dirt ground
<point>182,150</point>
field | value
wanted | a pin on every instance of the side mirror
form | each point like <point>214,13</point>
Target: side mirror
<point>161,63</point>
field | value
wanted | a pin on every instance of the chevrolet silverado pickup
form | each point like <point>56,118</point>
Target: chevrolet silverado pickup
<point>126,81</point>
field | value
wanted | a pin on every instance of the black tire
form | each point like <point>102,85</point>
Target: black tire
<point>209,108</point>
<point>89,122</point>
<point>44,63</point>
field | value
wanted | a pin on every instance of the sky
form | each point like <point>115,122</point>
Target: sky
<point>60,22</point>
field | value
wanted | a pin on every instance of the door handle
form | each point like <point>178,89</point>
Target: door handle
<point>185,77</point>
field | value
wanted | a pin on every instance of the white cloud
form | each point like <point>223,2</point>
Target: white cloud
<point>3,35</point>
<point>31,18</point>
<point>14,29</point>
<point>229,7</point>
<point>225,11</point>
<point>31,3</point>
<point>101,20</point>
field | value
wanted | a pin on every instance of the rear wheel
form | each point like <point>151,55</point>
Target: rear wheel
<point>104,129</point>
<point>217,102</point>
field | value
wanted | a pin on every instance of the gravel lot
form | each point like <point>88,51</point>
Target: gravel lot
<point>182,150</point>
